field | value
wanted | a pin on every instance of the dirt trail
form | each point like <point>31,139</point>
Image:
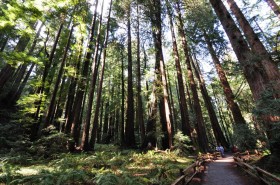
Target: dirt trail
<point>224,172</point>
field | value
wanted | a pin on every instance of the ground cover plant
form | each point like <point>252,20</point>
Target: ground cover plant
<point>107,165</point>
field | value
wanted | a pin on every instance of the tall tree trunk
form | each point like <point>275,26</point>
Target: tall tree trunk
<point>259,78</point>
<point>221,115</point>
<point>274,7</point>
<point>219,135</point>
<point>234,108</point>
<point>8,70</point>
<point>77,107</point>
<point>44,77</point>
<point>59,105</point>
<point>271,71</point>
<point>98,139</point>
<point>200,127</point>
<point>18,86</point>
<point>160,75</point>
<point>94,67</point>
<point>58,81</point>
<point>139,96</point>
<point>145,65</point>
<point>122,136</point>
<point>150,138</point>
<point>172,107</point>
<point>72,90</point>
<point>117,124</point>
<point>252,69</point>
<point>186,128</point>
<point>106,122</point>
<point>129,124</point>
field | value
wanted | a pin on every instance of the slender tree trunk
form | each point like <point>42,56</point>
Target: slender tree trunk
<point>200,127</point>
<point>95,66</point>
<point>145,66</point>
<point>77,107</point>
<point>106,123</point>
<point>72,90</point>
<point>58,81</point>
<point>139,96</point>
<point>235,110</point>
<point>219,135</point>
<point>59,106</point>
<point>129,126</point>
<point>116,127</point>
<point>221,115</point>
<point>274,7</point>
<point>99,130</point>
<point>186,128</point>
<point>44,77</point>
<point>172,107</point>
<point>122,136</point>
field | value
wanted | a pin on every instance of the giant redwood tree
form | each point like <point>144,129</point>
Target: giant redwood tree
<point>263,77</point>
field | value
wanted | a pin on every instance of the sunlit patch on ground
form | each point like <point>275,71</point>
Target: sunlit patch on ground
<point>27,171</point>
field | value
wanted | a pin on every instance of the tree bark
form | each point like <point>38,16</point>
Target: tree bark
<point>160,75</point>
<point>219,135</point>
<point>58,81</point>
<point>200,127</point>
<point>98,139</point>
<point>72,91</point>
<point>234,108</point>
<point>271,71</point>
<point>44,77</point>
<point>98,100</point>
<point>95,66</point>
<point>8,70</point>
<point>129,124</point>
<point>259,78</point>
<point>139,96</point>
<point>77,107</point>
<point>20,81</point>
<point>186,128</point>
<point>122,136</point>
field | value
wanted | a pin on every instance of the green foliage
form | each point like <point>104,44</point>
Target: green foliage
<point>8,173</point>
<point>244,137</point>
<point>12,138</point>
<point>110,166</point>
<point>181,143</point>
<point>267,105</point>
<point>58,177</point>
<point>51,144</point>
<point>107,179</point>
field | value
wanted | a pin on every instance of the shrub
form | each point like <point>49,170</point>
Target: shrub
<point>182,143</point>
<point>244,137</point>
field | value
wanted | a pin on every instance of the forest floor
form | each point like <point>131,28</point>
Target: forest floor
<point>107,165</point>
<point>223,171</point>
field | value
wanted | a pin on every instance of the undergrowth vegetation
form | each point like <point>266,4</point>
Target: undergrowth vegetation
<point>107,165</point>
